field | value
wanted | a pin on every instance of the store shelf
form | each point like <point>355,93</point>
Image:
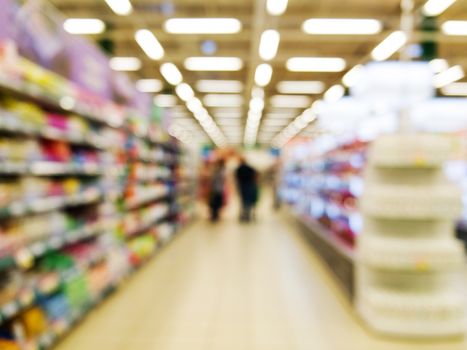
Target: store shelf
<point>145,199</point>
<point>147,226</point>
<point>42,205</point>
<point>45,168</point>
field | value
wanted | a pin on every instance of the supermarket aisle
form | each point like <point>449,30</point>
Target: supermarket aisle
<point>233,287</point>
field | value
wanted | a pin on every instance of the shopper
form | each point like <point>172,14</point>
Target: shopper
<point>217,190</point>
<point>248,189</point>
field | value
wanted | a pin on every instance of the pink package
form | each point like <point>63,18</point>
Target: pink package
<point>58,121</point>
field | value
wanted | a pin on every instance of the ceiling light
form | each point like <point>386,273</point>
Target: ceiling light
<point>300,87</point>
<point>221,100</point>
<point>125,63</point>
<point>436,7</point>
<point>171,73</point>
<point>269,44</point>
<point>263,74</point>
<point>455,89</point>
<point>276,7</point>
<point>290,101</point>
<point>213,63</point>
<point>149,43</point>
<point>316,64</point>
<point>449,76</point>
<point>219,86</point>
<point>389,46</point>
<point>458,28</point>
<point>256,104</point>
<point>120,7</point>
<point>257,92</point>
<point>352,77</point>
<point>203,26</point>
<point>184,91</point>
<point>84,26</point>
<point>341,26</point>
<point>149,85</point>
<point>165,100</point>
<point>334,93</point>
<point>194,105</point>
<point>438,65</point>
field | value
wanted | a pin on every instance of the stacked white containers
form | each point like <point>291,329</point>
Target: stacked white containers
<point>409,262</point>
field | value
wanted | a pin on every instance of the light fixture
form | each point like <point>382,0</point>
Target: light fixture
<point>389,46</point>
<point>316,64</point>
<point>352,77</point>
<point>213,64</point>
<point>448,76</point>
<point>457,28</point>
<point>269,44</point>
<point>257,92</point>
<point>84,26</point>
<point>455,89</point>
<point>263,74</point>
<point>194,105</point>
<point>341,26</point>
<point>256,104</point>
<point>334,93</point>
<point>184,91</point>
<point>438,65</point>
<point>436,7</point>
<point>120,7</point>
<point>149,43</point>
<point>125,64</point>
<point>219,86</point>
<point>290,101</point>
<point>171,73</point>
<point>300,87</point>
<point>202,26</point>
<point>165,100</point>
<point>223,100</point>
<point>149,85</point>
<point>276,7</point>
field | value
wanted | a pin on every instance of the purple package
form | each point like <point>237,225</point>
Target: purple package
<point>7,14</point>
<point>88,67</point>
<point>142,102</point>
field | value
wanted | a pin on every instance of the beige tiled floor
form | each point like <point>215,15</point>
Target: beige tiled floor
<point>233,287</point>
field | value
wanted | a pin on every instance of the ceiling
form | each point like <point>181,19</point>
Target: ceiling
<point>294,42</point>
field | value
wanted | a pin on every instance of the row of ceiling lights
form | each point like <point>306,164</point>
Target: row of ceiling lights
<point>269,44</point>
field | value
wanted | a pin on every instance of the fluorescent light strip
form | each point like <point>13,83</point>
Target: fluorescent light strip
<point>300,87</point>
<point>449,76</point>
<point>149,44</point>
<point>341,26</point>
<point>171,73</point>
<point>290,101</point>
<point>269,44</point>
<point>436,7</point>
<point>352,77</point>
<point>84,26</point>
<point>263,74</point>
<point>203,26</point>
<point>276,7</point>
<point>165,100</point>
<point>213,64</point>
<point>389,46</point>
<point>126,64</point>
<point>316,64</point>
<point>438,65</point>
<point>221,100</point>
<point>455,28</point>
<point>334,93</point>
<point>185,92</point>
<point>149,85</point>
<point>219,86</point>
<point>120,7</point>
<point>455,89</point>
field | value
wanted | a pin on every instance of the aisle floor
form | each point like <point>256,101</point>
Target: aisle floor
<point>234,287</point>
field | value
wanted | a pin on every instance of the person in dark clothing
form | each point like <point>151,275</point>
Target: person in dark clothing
<point>247,186</point>
<point>216,195</point>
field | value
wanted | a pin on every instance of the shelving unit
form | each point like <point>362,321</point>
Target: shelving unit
<point>70,167</point>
